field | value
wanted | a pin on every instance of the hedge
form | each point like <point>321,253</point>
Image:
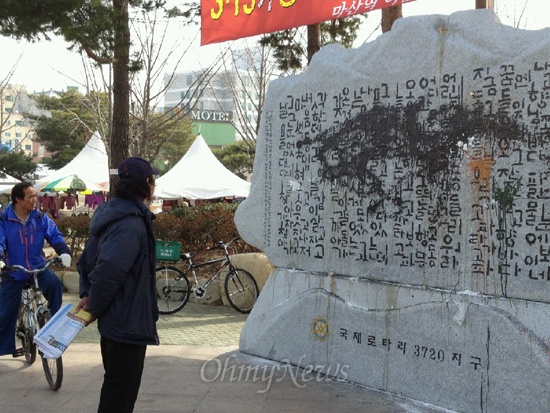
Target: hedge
<point>197,228</point>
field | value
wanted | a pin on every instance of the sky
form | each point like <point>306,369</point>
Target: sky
<point>49,65</point>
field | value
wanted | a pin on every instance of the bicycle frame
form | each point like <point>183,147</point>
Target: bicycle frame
<point>32,307</point>
<point>191,268</point>
<point>33,294</point>
<point>34,311</point>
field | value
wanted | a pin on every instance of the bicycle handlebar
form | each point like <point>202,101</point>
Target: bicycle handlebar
<point>221,245</point>
<point>16,267</point>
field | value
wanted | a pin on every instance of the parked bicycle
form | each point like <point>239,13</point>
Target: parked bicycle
<point>33,314</point>
<point>174,288</point>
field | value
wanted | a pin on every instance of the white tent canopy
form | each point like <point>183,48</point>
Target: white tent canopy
<point>199,175</point>
<point>91,164</point>
<point>7,183</point>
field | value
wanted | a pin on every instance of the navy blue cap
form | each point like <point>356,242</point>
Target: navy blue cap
<point>136,168</point>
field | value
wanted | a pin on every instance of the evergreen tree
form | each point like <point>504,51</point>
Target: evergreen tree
<point>292,48</point>
<point>16,164</point>
<point>74,118</point>
<point>237,157</point>
<point>98,27</point>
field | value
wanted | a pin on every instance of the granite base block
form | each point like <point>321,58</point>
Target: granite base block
<point>457,350</point>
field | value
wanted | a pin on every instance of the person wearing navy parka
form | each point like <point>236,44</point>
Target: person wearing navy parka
<point>117,283</point>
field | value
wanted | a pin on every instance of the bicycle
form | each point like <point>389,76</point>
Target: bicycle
<point>174,288</point>
<point>33,315</point>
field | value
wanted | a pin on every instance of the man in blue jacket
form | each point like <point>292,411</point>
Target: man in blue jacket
<point>117,283</point>
<point>23,230</point>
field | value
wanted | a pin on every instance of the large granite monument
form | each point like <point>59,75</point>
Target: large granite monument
<point>402,191</point>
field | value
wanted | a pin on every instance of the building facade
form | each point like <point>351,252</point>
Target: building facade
<point>219,106</point>
<point>16,126</point>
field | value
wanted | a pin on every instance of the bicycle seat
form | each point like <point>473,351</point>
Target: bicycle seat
<point>188,255</point>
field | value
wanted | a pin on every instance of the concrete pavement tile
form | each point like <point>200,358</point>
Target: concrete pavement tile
<point>227,403</point>
<point>164,387</point>
<point>31,397</point>
<point>46,409</point>
<point>347,397</point>
<point>206,353</point>
<point>240,388</point>
<point>312,398</point>
<point>86,403</point>
<point>14,372</point>
<point>293,389</point>
<point>176,403</point>
<point>195,325</point>
<point>81,382</point>
<point>298,406</point>
<point>161,361</point>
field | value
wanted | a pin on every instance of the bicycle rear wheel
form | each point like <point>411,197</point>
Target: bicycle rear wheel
<point>53,368</point>
<point>241,290</point>
<point>25,333</point>
<point>173,289</point>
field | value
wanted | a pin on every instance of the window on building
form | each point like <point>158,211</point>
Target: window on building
<point>8,110</point>
<point>28,147</point>
<point>8,98</point>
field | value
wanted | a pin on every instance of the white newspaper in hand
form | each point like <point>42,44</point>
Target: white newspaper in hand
<point>56,335</point>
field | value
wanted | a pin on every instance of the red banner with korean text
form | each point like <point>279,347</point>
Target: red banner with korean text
<point>233,19</point>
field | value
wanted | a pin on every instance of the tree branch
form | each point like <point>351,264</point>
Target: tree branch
<point>102,60</point>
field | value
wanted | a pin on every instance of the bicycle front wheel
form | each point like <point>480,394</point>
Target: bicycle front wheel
<point>173,289</point>
<point>25,333</point>
<point>53,368</point>
<point>241,290</point>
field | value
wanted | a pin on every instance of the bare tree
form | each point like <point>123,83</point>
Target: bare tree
<point>246,74</point>
<point>313,40</point>
<point>484,4</point>
<point>98,79</point>
<point>517,15</point>
<point>151,127</point>
<point>389,15</point>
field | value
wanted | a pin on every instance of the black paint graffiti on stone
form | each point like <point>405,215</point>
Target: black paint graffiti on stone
<point>427,140</point>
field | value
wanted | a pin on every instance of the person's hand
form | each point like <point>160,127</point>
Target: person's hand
<point>65,260</point>
<point>2,264</point>
<point>83,305</point>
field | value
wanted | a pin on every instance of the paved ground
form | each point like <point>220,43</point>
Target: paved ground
<point>198,369</point>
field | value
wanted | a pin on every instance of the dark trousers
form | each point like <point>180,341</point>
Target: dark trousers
<point>123,364</point>
<point>10,298</point>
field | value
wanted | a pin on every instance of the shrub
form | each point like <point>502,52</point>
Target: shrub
<point>197,228</point>
<point>75,229</point>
